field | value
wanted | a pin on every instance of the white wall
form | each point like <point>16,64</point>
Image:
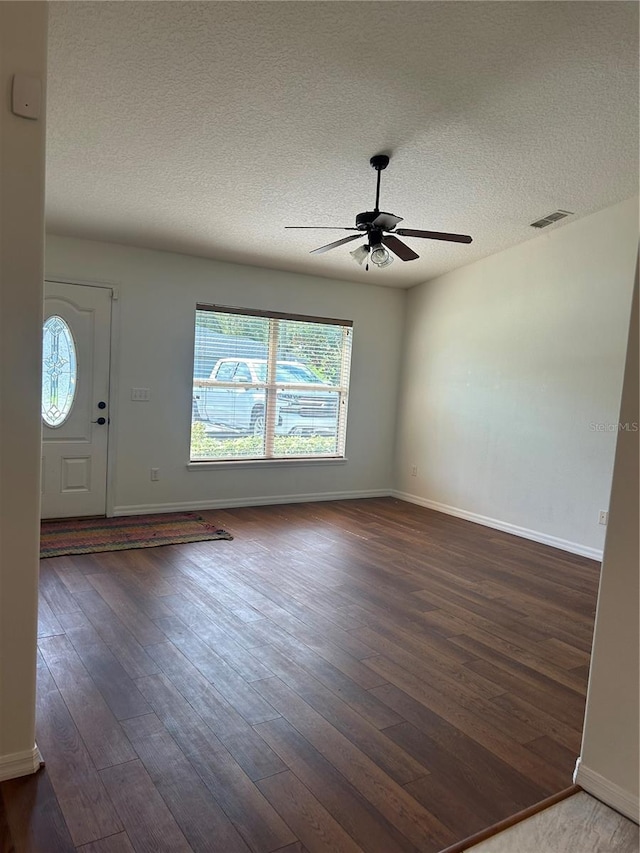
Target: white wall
<point>23,49</point>
<point>158,294</point>
<point>609,764</point>
<point>508,362</point>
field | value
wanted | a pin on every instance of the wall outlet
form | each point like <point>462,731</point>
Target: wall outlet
<point>603,518</point>
<point>140,395</point>
<point>155,474</point>
<point>414,470</point>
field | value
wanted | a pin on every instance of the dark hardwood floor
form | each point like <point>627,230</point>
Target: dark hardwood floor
<point>352,676</point>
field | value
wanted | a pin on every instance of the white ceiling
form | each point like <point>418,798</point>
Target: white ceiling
<point>205,128</point>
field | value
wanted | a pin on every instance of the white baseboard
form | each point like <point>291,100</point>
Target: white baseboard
<point>524,532</point>
<point>260,500</point>
<point>20,763</point>
<point>268,500</point>
<point>606,791</point>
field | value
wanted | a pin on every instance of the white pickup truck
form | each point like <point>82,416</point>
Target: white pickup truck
<point>234,405</point>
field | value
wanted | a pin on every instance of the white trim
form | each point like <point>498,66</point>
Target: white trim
<point>507,527</point>
<point>269,500</point>
<point>603,789</point>
<point>232,464</point>
<point>259,500</point>
<point>64,279</point>
<point>575,771</point>
<point>114,388</point>
<point>20,763</point>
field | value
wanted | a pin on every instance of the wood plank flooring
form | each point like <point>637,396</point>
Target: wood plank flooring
<point>349,676</point>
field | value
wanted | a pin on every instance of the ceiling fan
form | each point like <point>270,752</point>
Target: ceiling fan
<point>378,228</point>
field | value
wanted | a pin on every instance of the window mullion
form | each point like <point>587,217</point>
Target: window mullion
<point>271,392</point>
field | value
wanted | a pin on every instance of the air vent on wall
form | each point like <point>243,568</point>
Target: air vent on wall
<point>551,218</point>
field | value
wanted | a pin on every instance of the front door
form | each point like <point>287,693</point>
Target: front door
<point>75,399</point>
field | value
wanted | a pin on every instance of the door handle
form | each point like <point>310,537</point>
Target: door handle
<point>100,421</point>
<point>102,405</point>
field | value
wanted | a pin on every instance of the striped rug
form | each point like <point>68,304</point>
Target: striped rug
<point>91,535</point>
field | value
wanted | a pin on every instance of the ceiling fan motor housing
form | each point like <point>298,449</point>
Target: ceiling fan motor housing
<point>365,219</point>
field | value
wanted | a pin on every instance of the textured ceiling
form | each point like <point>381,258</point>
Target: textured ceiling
<point>205,128</point>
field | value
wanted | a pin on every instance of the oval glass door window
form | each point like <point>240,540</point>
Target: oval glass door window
<point>59,371</point>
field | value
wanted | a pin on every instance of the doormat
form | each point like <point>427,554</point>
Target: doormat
<point>92,535</point>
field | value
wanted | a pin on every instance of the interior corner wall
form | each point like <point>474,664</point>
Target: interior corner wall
<point>23,49</point>
<point>609,765</point>
<point>511,382</point>
<point>155,310</point>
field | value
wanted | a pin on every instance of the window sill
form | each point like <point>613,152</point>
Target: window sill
<point>264,463</point>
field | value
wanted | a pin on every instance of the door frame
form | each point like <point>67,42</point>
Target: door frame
<point>114,363</point>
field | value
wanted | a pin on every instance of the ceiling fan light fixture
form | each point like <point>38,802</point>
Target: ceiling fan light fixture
<point>381,257</point>
<point>360,254</point>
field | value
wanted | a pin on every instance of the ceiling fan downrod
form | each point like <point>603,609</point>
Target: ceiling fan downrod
<point>379,162</point>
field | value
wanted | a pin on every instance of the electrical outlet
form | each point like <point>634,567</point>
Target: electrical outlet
<point>603,518</point>
<point>414,470</point>
<point>155,474</point>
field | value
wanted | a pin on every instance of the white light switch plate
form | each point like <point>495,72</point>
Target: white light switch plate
<point>140,395</point>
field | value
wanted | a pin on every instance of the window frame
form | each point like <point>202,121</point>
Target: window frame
<point>271,387</point>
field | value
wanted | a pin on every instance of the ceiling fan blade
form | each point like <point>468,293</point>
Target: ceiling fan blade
<point>386,221</point>
<point>399,248</point>
<point>335,244</point>
<point>434,235</point>
<point>319,228</point>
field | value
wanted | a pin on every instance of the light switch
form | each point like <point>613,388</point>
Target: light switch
<point>140,395</point>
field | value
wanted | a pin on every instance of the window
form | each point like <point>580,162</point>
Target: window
<point>268,385</point>
<point>226,371</point>
<point>58,371</point>
<point>243,374</point>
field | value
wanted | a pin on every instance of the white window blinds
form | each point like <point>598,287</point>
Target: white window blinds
<point>268,385</point>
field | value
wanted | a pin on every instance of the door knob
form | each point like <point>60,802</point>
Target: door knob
<point>100,421</point>
<point>102,405</point>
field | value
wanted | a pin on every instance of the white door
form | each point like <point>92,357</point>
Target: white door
<point>75,399</point>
